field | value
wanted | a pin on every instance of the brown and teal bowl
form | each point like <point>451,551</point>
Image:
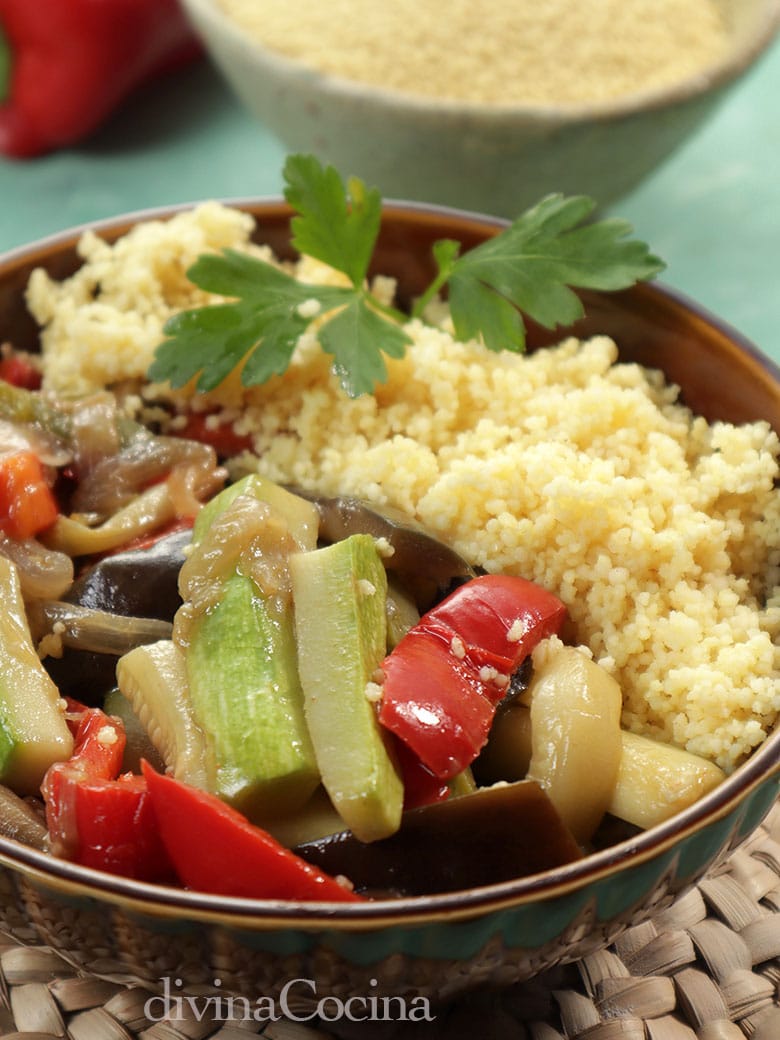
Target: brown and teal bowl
<point>433,946</point>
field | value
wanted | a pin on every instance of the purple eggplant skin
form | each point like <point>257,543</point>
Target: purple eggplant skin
<point>491,835</point>
<point>140,582</point>
<point>426,566</point>
<point>135,582</point>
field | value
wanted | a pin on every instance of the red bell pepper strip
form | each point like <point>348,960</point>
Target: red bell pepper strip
<point>443,680</point>
<point>220,436</point>
<point>27,503</point>
<point>70,63</point>
<point>435,702</point>
<point>499,618</point>
<point>96,816</point>
<point>117,830</point>
<point>99,742</point>
<point>421,785</point>
<point>216,849</point>
<point>18,370</point>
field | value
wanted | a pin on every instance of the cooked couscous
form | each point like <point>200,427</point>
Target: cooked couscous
<point>659,531</point>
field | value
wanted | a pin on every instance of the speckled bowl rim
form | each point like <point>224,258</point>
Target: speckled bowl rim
<point>749,47</point>
<point>161,900</point>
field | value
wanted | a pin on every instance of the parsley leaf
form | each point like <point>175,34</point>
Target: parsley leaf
<point>260,329</point>
<point>351,337</point>
<point>337,226</point>
<point>530,268</point>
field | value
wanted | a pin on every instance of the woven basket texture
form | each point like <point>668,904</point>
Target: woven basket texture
<point>706,968</point>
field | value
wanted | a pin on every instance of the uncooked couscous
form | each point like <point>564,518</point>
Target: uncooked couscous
<point>517,51</point>
<point>660,531</point>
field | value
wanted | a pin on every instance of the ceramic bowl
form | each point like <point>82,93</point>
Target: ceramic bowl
<point>425,947</point>
<point>487,158</point>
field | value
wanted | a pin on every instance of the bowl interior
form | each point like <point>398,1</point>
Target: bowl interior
<point>721,376</point>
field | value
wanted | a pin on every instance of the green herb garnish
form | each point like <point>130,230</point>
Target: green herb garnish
<point>530,269</point>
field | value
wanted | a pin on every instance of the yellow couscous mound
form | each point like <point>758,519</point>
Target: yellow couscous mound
<point>660,531</point>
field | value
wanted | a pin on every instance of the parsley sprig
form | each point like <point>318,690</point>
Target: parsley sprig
<point>529,269</point>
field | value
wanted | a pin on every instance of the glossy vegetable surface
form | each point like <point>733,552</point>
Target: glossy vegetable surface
<point>426,565</point>
<point>27,505</point>
<point>97,815</point>
<point>493,835</point>
<point>230,856</point>
<point>443,680</point>
<point>575,737</point>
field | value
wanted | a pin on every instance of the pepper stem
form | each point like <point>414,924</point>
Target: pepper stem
<point>5,67</point>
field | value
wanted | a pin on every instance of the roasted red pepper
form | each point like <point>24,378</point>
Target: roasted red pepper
<point>499,619</point>
<point>27,503</point>
<point>216,849</point>
<point>18,370</point>
<point>443,680</point>
<point>142,827</point>
<point>70,63</point>
<point>421,786</point>
<point>97,816</point>
<point>205,427</point>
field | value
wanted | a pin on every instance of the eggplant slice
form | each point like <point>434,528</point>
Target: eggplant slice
<point>491,835</point>
<point>427,567</point>
<point>135,583</point>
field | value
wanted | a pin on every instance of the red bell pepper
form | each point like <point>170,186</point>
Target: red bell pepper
<point>421,785</point>
<point>443,680</point>
<point>155,828</point>
<point>117,830</point>
<point>499,618</point>
<point>97,816</point>
<point>220,436</point>
<point>27,503</point>
<point>216,849</point>
<point>70,63</point>
<point>18,370</point>
<point>435,701</point>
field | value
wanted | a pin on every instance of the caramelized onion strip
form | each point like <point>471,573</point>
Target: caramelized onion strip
<point>115,480</point>
<point>19,821</point>
<point>44,573</point>
<point>96,631</point>
<point>151,509</point>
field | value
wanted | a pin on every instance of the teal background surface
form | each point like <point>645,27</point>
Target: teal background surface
<point>712,211</point>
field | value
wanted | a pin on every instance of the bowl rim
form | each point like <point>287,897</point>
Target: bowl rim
<point>276,206</point>
<point>157,899</point>
<point>747,49</point>
<point>167,901</point>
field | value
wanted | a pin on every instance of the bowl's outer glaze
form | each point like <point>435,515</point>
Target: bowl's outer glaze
<point>435,946</point>
<point>496,159</point>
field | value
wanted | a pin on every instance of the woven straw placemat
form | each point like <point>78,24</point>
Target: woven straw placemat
<point>707,968</point>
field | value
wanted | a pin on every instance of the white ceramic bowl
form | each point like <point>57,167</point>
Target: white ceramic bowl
<point>477,156</point>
